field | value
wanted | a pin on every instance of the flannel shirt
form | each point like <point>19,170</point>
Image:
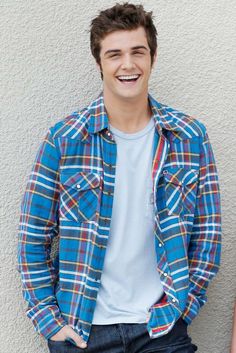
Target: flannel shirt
<point>69,197</point>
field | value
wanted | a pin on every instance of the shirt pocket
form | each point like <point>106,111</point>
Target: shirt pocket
<point>80,195</point>
<point>180,190</point>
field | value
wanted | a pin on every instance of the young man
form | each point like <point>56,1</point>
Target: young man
<point>129,188</point>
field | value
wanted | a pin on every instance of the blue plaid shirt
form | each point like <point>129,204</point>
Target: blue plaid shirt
<point>69,197</point>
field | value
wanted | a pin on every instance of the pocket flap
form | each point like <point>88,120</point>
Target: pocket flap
<point>81,180</point>
<point>180,176</point>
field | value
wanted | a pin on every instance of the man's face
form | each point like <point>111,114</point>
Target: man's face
<point>125,63</point>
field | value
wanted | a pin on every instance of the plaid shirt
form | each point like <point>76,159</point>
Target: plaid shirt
<point>69,197</point>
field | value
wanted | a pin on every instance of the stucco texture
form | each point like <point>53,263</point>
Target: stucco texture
<point>47,72</point>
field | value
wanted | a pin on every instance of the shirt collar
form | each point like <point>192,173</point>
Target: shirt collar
<point>162,118</point>
<point>98,116</point>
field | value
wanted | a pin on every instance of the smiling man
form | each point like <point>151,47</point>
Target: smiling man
<point>129,188</point>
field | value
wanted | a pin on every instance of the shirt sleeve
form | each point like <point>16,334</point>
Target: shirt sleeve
<point>37,227</point>
<point>205,243</point>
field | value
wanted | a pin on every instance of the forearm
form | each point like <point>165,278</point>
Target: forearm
<point>205,240</point>
<point>37,228</point>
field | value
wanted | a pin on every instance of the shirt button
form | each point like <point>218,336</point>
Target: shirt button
<point>165,274</point>
<point>78,186</point>
<point>173,301</point>
<point>160,245</point>
<point>109,134</point>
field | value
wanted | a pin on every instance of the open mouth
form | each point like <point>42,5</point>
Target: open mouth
<point>128,78</point>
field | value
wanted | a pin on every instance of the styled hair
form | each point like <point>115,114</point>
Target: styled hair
<point>124,16</point>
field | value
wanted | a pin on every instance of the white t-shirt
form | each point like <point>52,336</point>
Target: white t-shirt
<point>130,282</point>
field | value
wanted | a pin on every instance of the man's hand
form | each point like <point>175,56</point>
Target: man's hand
<point>68,332</point>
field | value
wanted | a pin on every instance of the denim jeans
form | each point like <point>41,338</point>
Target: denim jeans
<point>129,338</point>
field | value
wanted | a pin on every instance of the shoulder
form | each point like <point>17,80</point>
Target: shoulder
<point>182,124</point>
<point>73,125</point>
<point>188,124</point>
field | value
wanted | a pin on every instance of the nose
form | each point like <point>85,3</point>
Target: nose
<point>127,62</point>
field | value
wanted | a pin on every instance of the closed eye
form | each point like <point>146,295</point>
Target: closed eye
<point>114,55</point>
<point>138,53</point>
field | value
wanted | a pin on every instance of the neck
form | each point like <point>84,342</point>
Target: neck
<point>130,115</point>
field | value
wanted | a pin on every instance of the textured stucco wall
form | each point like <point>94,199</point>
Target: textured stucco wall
<point>46,73</point>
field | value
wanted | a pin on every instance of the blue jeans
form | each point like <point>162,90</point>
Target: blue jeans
<point>129,338</point>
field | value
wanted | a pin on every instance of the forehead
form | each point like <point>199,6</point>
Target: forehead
<point>124,39</point>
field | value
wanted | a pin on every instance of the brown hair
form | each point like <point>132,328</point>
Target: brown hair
<point>122,17</point>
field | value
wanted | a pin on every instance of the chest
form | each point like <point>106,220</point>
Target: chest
<point>88,171</point>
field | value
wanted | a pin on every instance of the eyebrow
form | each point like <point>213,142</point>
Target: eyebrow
<point>118,50</point>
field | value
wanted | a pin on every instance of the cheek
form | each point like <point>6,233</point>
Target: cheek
<point>110,67</point>
<point>109,71</point>
<point>148,70</point>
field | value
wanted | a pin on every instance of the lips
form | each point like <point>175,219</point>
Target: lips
<point>128,78</point>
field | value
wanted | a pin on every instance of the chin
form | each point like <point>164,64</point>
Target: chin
<point>129,93</point>
<point>129,96</point>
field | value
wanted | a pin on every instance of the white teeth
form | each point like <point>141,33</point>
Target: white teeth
<point>128,77</point>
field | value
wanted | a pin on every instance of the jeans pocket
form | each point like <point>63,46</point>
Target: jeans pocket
<point>58,346</point>
<point>181,328</point>
<point>182,322</point>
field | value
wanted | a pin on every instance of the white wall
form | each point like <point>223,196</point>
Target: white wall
<point>47,72</point>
